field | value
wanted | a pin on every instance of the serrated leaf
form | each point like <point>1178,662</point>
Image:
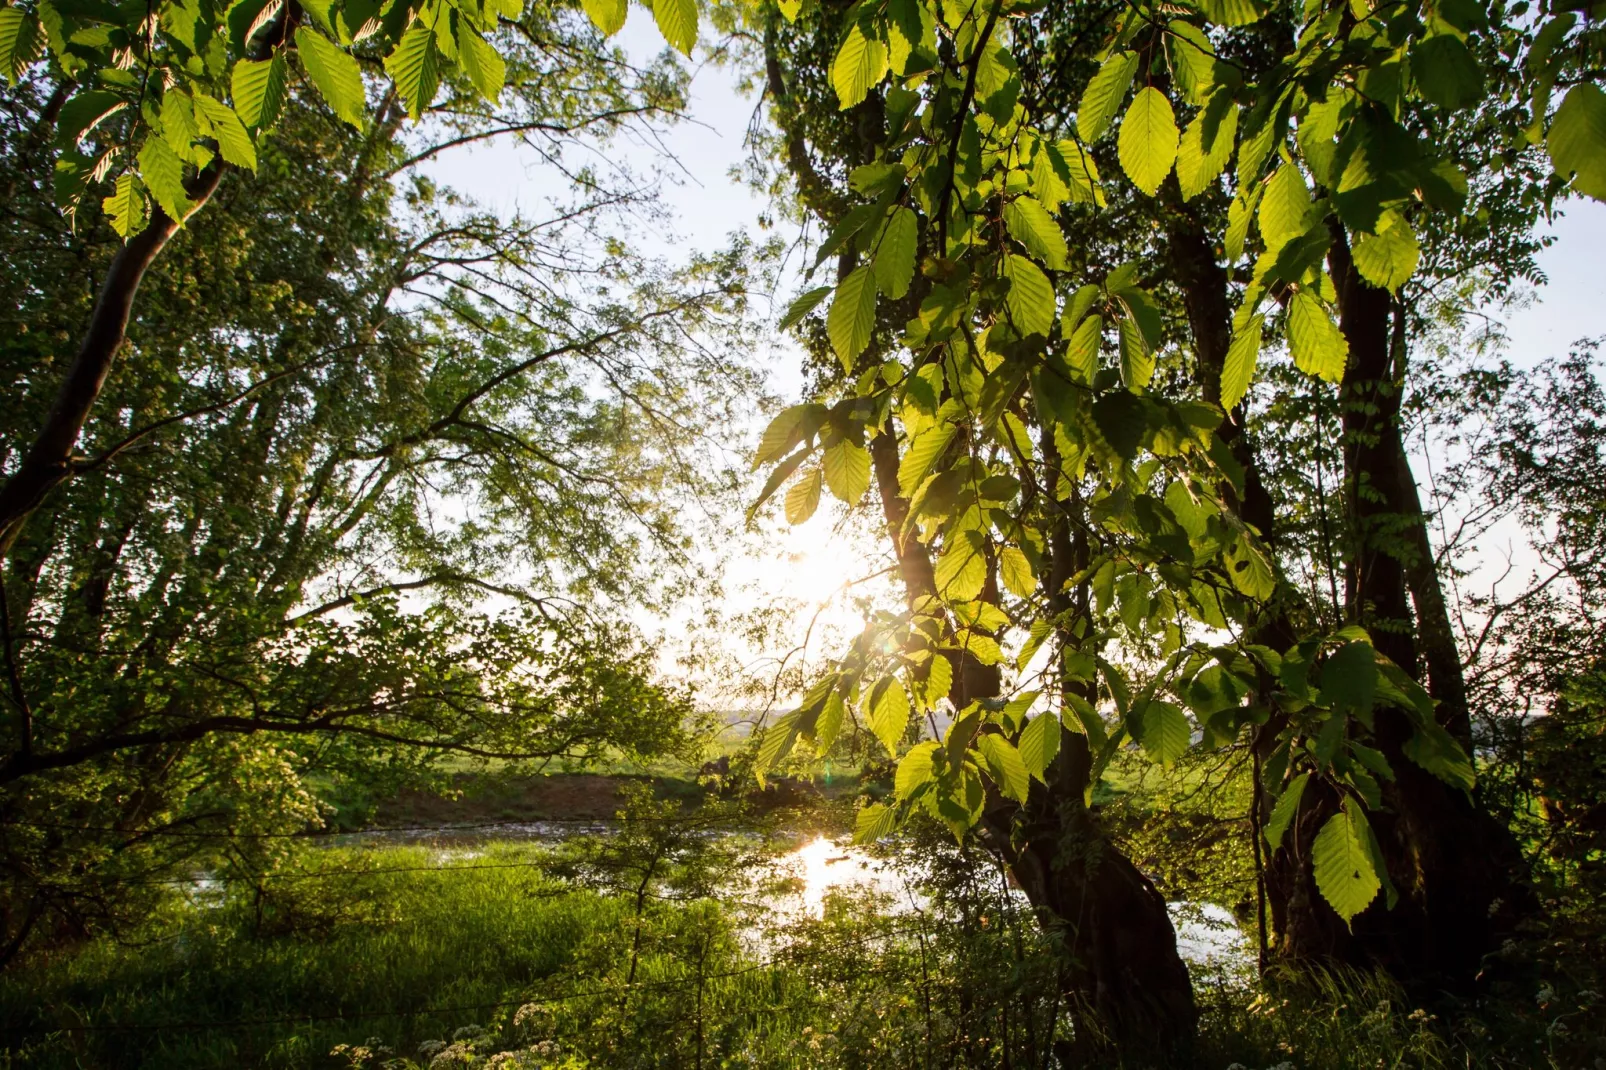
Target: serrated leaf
<point>777,743</point>
<point>1006,767</point>
<point>1031,297</point>
<point>1445,72</point>
<point>829,724</point>
<point>852,316</point>
<point>914,770</point>
<point>1082,352</point>
<point>859,66</point>
<point>1318,347</point>
<point>1137,359</point>
<point>889,713</point>
<point>1238,369</point>
<point>1016,571</point>
<point>1388,258</point>
<point>163,174</point>
<point>85,111</point>
<point>894,264</point>
<point>1040,744</point>
<point>1284,207</point>
<point>232,140</point>
<point>847,470</point>
<point>962,569</point>
<point>802,305</point>
<point>677,21</point>
<point>1148,140</point>
<point>803,497</point>
<point>125,208</point>
<point>1193,59</point>
<point>607,15</point>
<point>1032,226</point>
<point>482,63</point>
<point>1199,166</point>
<point>923,451</point>
<point>21,43</point>
<point>1577,139</point>
<point>337,75</point>
<point>1282,814</point>
<point>873,823</point>
<point>1435,750</point>
<point>1165,732</point>
<point>939,681</point>
<point>1239,213</point>
<point>1103,95</point>
<point>258,89</point>
<point>1232,12</point>
<point>1343,867</point>
<point>414,66</point>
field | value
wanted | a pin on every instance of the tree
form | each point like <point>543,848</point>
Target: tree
<point>377,477</point>
<point>1081,500</point>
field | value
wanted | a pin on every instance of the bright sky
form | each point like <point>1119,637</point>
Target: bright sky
<point>807,566</point>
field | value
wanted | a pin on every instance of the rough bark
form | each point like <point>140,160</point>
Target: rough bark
<point>1457,870</point>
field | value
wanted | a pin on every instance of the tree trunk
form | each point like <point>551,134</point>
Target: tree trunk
<point>1456,868</point>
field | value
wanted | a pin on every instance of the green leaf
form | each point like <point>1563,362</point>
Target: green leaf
<point>939,681</point>
<point>1435,750</point>
<point>895,253</point>
<point>923,451</point>
<point>1238,369</point>
<point>1577,139</point>
<point>1032,226</point>
<point>889,713</point>
<point>1318,347</point>
<point>1239,213</point>
<point>1082,352</point>
<point>1165,732</point>
<point>607,15</point>
<point>126,206</point>
<point>1251,572</point>
<point>962,569</point>
<point>1040,744</point>
<point>85,111</point>
<point>1343,867</point>
<point>232,140</point>
<point>1005,765</point>
<point>1148,141</point>
<point>1232,12</point>
<point>21,43</point>
<point>1031,298</point>
<point>1103,95</point>
<point>1016,572</point>
<point>847,470</point>
<point>915,770</point>
<point>803,498</point>
<point>1193,59</point>
<point>414,67</point>
<point>829,724</point>
<point>802,306</point>
<point>258,88</point>
<point>859,66</point>
<point>852,316</point>
<point>874,822</point>
<point>1282,815</point>
<point>1284,207</point>
<point>163,174</point>
<point>482,63</point>
<point>1389,257</point>
<point>1198,165</point>
<point>336,74</point>
<point>1445,72</point>
<point>677,21</point>
<point>1137,359</point>
<point>776,743</point>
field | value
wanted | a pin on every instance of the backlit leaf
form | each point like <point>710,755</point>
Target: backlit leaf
<point>1388,258</point>
<point>1148,140</point>
<point>847,470</point>
<point>961,570</point>
<point>889,713</point>
<point>1005,765</point>
<point>482,63</point>
<point>677,21</point>
<point>894,264</point>
<point>1238,370</point>
<point>1040,744</point>
<point>126,208</point>
<point>1031,297</point>
<point>607,15</point>
<point>258,89</point>
<point>860,64</point>
<point>1445,72</point>
<point>874,822</point>
<point>1199,166</point>
<point>1343,867</point>
<point>1031,225</point>
<point>1577,139</point>
<point>1103,95</point>
<point>1284,207</point>
<point>336,74</point>
<point>852,316</point>
<point>1282,815</point>
<point>1319,348</point>
<point>1165,732</point>
<point>923,451</point>
<point>163,174</point>
<point>232,140</point>
<point>414,67</point>
<point>21,43</point>
<point>1016,572</point>
<point>803,497</point>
